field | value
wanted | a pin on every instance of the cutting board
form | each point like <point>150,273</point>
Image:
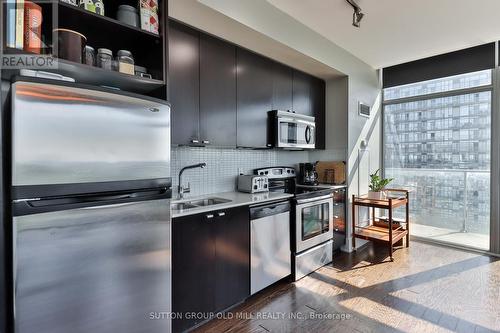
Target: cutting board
<point>331,172</point>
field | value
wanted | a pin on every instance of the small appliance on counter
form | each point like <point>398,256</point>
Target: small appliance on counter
<point>253,183</point>
<point>308,174</point>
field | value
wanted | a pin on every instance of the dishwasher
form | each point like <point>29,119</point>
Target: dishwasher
<point>270,244</point>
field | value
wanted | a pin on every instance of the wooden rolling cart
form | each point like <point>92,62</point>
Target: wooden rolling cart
<point>383,229</point>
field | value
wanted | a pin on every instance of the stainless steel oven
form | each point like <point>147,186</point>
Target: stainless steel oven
<point>294,131</point>
<point>313,221</point>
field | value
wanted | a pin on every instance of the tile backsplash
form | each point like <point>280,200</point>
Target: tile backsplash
<point>223,165</point>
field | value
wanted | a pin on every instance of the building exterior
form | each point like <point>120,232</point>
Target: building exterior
<point>439,145</point>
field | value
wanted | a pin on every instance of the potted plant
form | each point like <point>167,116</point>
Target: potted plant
<point>377,185</point>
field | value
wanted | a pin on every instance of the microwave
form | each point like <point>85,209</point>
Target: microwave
<point>293,130</point>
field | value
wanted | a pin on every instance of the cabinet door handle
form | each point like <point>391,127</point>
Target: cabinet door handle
<point>221,214</point>
<point>210,216</point>
<point>206,142</point>
<point>195,141</point>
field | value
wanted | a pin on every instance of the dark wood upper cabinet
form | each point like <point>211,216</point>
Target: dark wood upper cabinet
<point>221,94</point>
<point>282,87</point>
<point>309,99</point>
<point>302,102</point>
<point>254,98</point>
<point>318,101</point>
<point>184,83</point>
<point>217,92</point>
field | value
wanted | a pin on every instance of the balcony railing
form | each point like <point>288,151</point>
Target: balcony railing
<point>457,199</point>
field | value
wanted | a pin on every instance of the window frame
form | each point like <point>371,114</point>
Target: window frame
<point>494,89</point>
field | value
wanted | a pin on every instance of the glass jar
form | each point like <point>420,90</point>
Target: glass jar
<point>89,56</point>
<point>128,15</point>
<point>104,58</point>
<point>125,62</point>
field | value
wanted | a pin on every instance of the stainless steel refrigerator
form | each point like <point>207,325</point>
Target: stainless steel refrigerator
<point>91,193</point>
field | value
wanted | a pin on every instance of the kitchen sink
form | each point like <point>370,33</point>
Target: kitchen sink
<point>209,202</point>
<point>182,206</point>
<point>198,203</point>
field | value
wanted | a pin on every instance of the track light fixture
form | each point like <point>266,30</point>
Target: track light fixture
<point>357,16</point>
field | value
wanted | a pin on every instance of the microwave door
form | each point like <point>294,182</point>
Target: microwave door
<point>305,133</point>
<point>287,132</point>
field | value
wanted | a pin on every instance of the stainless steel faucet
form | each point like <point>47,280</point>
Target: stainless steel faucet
<point>187,189</point>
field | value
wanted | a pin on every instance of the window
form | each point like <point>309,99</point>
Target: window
<point>464,81</point>
<point>449,173</point>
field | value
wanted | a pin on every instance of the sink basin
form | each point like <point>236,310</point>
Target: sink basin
<point>198,203</point>
<point>182,206</point>
<point>209,202</point>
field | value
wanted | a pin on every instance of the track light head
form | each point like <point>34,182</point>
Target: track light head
<point>357,16</point>
<point>356,19</point>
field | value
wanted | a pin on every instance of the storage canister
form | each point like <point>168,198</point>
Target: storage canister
<point>125,62</point>
<point>104,58</point>
<point>128,15</point>
<point>89,55</point>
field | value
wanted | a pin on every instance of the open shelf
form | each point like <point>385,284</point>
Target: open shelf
<point>148,49</point>
<point>80,16</point>
<point>100,77</point>
<point>377,233</point>
<point>106,32</point>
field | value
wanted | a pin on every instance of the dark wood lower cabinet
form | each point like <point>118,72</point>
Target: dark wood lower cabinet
<point>232,252</point>
<point>211,264</point>
<point>193,264</point>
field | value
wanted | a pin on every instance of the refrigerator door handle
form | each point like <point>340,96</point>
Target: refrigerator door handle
<point>89,199</point>
<point>58,203</point>
<point>107,206</point>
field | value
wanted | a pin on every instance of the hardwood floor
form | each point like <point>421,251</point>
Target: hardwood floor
<point>427,288</point>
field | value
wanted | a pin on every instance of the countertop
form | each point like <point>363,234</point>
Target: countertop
<point>334,187</point>
<point>237,199</point>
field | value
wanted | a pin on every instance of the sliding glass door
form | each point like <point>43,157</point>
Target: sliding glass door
<point>437,142</point>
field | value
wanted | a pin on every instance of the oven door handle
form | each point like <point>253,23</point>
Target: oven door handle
<point>302,201</point>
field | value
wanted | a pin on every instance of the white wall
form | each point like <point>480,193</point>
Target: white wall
<point>245,21</point>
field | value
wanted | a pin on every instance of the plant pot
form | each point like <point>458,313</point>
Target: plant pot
<point>376,195</point>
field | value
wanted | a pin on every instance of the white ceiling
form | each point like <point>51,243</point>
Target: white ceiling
<point>397,31</point>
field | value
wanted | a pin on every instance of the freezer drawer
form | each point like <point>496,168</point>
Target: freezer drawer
<point>96,269</point>
<point>65,135</point>
<point>313,259</point>
<point>270,249</point>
